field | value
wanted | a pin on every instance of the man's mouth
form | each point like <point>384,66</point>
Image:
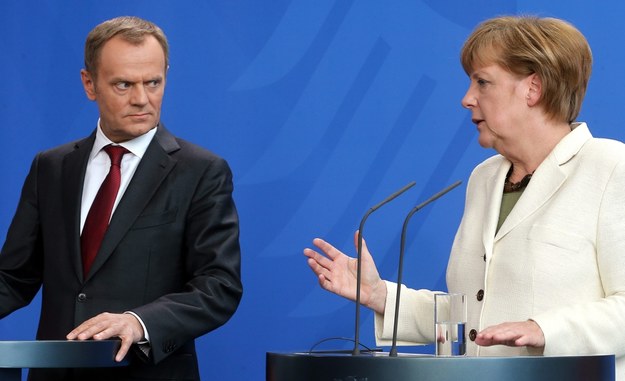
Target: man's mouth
<point>139,115</point>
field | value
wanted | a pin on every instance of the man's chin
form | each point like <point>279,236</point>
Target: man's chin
<point>129,132</point>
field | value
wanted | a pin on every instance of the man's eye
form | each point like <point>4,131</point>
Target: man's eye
<point>154,83</point>
<point>122,85</point>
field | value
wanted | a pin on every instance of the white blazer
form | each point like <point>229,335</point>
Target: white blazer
<point>558,258</point>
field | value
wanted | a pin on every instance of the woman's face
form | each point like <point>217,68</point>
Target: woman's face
<point>498,100</point>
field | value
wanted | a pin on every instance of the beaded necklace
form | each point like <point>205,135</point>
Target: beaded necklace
<point>509,186</point>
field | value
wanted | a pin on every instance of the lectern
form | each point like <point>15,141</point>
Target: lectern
<point>410,367</point>
<point>16,355</point>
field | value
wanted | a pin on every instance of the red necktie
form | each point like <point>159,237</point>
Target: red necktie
<point>100,213</point>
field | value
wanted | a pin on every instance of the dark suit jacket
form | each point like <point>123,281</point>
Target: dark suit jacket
<point>171,253</point>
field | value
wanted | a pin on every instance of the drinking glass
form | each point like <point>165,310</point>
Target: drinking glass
<point>450,317</point>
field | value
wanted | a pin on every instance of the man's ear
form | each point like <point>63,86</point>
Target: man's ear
<point>535,90</point>
<point>88,82</point>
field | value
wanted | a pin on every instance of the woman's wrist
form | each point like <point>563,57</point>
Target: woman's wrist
<point>377,302</point>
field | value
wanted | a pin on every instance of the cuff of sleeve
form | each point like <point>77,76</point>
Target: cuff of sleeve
<point>416,317</point>
<point>549,328</point>
<point>384,322</point>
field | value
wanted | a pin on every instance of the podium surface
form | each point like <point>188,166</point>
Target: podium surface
<point>410,367</point>
<point>16,355</point>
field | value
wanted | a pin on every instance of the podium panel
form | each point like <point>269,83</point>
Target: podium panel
<point>409,367</point>
<point>16,355</point>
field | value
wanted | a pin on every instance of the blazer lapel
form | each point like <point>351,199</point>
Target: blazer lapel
<point>545,182</point>
<point>153,168</point>
<point>547,178</point>
<point>494,188</point>
<point>73,175</point>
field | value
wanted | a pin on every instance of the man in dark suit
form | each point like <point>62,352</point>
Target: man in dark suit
<point>167,269</point>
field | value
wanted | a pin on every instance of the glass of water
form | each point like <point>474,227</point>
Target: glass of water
<point>450,317</point>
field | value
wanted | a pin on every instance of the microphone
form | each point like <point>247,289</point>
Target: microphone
<point>356,350</point>
<point>393,351</point>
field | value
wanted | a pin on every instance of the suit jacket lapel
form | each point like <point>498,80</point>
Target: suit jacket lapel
<point>493,189</point>
<point>547,178</point>
<point>545,182</point>
<point>153,168</point>
<point>73,175</point>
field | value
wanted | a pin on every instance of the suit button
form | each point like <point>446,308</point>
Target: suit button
<point>480,295</point>
<point>472,334</point>
<point>484,257</point>
<point>82,297</point>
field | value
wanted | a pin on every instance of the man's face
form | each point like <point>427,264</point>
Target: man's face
<point>128,88</point>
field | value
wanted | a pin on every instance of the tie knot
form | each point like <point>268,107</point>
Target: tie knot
<point>115,153</point>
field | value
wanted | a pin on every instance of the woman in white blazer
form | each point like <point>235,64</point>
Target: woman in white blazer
<point>540,251</point>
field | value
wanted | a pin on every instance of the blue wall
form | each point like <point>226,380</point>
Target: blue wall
<point>322,108</point>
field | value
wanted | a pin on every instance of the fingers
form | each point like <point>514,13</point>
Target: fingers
<point>325,283</point>
<point>497,335</point>
<point>364,244</point>
<point>329,250</point>
<point>319,259</point>
<point>123,349</point>
<point>323,264</point>
<point>319,264</point>
<point>512,334</point>
<point>365,249</point>
<point>87,330</point>
<point>322,272</point>
<point>106,326</point>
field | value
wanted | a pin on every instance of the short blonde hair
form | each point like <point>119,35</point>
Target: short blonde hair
<point>549,47</point>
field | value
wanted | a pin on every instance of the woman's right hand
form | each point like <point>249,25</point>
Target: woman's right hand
<point>337,273</point>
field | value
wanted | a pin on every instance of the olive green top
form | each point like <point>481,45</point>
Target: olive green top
<point>508,201</point>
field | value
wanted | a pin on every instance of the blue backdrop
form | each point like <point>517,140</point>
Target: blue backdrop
<point>322,108</point>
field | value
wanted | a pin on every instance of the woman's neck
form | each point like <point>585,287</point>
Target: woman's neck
<point>531,152</point>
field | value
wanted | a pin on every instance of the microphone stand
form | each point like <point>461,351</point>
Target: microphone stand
<point>393,351</point>
<point>356,350</point>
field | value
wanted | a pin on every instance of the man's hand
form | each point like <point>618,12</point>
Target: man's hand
<point>106,326</point>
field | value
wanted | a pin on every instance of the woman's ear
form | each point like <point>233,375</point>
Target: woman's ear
<point>535,90</point>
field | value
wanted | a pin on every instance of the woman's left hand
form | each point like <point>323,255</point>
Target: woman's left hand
<point>516,334</point>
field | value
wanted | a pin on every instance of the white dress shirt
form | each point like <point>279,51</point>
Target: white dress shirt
<point>98,167</point>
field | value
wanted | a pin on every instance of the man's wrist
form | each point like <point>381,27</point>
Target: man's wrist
<point>145,339</point>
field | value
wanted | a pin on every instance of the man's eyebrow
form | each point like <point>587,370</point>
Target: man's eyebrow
<point>120,79</point>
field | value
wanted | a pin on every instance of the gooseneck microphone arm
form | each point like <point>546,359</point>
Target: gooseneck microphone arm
<point>393,351</point>
<point>356,350</point>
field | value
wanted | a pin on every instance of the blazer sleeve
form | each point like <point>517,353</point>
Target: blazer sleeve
<point>416,317</point>
<point>212,260</point>
<point>21,261</point>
